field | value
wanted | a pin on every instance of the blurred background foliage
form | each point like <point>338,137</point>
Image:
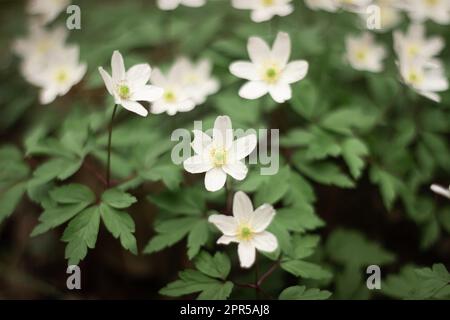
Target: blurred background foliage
<point>358,154</point>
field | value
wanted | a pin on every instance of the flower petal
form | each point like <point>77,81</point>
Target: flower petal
<point>139,74</point>
<point>197,164</point>
<point>441,190</point>
<point>281,49</point>
<point>227,239</point>
<point>200,142</point>
<point>226,224</point>
<point>147,93</point>
<point>265,241</point>
<point>294,71</point>
<point>135,107</point>
<point>262,217</point>
<point>118,67</point>
<point>107,80</point>
<point>215,179</point>
<point>281,92</point>
<point>222,132</point>
<point>242,207</point>
<point>245,70</point>
<point>258,50</point>
<point>238,170</point>
<point>253,90</point>
<point>242,147</point>
<point>246,253</point>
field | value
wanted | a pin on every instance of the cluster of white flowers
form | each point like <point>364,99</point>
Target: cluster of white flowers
<point>269,70</point>
<point>47,61</point>
<point>417,62</point>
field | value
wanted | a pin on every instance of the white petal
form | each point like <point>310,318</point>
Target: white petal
<point>135,107</point>
<point>281,92</point>
<point>200,142</point>
<point>226,224</point>
<point>242,147</point>
<point>294,71</point>
<point>253,90</point>
<point>147,93</point>
<point>157,78</point>
<point>282,48</point>
<point>118,67</point>
<point>441,190</point>
<point>265,241</point>
<point>197,164</point>
<point>246,253</point>
<point>258,50</point>
<point>222,132</point>
<point>245,70</point>
<point>262,217</point>
<point>237,170</point>
<point>227,239</point>
<point>242,207</point>
<point>107,80</point>
<point>215,179</point>
<point>168,4</point>
<point>48,95</point>
<point>138,75</point>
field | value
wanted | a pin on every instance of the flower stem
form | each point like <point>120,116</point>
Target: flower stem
<point>108,161</point>
<point>229,196</point>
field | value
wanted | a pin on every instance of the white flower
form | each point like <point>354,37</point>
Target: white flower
<point>173,4</point>
<point>421,10</point>
<point>220,155</point>
<point>426,77</point>
<point>414,45</point>
<point>269,70</point>
<point>390,15</point>
<point>197,78</point>
<point>63,70</point>
<point>441,190</point>
<point>247,228</point>
<point>128,87</point>
<point>47,10</point>
<point>327,5</point>
<point>364,54</point>
<point>356,6</point>
<point>264,10</point>
<point>177,96</point>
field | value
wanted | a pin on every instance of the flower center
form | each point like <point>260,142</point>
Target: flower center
<point>61,76</point>
<point>123,91</point>
<point>414,77</point>
<point>218,157</point>
<point>413,50</point>
<point>267,3</point>
<point>432,3</point>
<point>169,96</point>
<point>245,233</point>
<point>43,46</point>
<point>271,74</point>
<point>361,55</point>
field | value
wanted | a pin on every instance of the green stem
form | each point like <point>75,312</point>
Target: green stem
<point>108,162</point>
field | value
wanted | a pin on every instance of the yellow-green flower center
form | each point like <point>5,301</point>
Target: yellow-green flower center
<point>414,77</point>
<point>432,3</point>
<point>169,96</point>
<point>218,157</point>
<point>267,3</point>
<point>245,233</point>
<point>124,91</point>
<point>61,76</point>
<point>361,55</point>
<point>271,74</point>
<point>413,50</point>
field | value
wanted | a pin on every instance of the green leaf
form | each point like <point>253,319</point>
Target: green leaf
<point>353,151</point>
<point>217,267</point>
<point>345,120</point>
<point>387,183</point>
<point>301,293</point>
<point>305,269</point>
<point>274,188</point>
<point>121,226</point>
<point>72,194</point>
<point>10,198</point>
<point>197,237</point>
<point>305,102</point>
<point>299,218</point>
<point>81,234</point>
<point>118,199</point>
<point>220,291</point>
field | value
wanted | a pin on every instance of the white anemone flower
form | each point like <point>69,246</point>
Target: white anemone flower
<point>327,5</point>
<point>421,10</point>
<point>173,4</point>
<point>356,6</point>
<point>441,190</point>
<point>264,10</point>
<point>47,10</point>
<point>129,87</point>
<point>247,227</point>
<point>220,155</point>
<point>62,71</point>
<point>426,77</point>
<point>269,70</point>
<point>197,78</point>
<point>177,96</point>
<point>413,44</point>
<point>390,15</point>
<point>364,54</point>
